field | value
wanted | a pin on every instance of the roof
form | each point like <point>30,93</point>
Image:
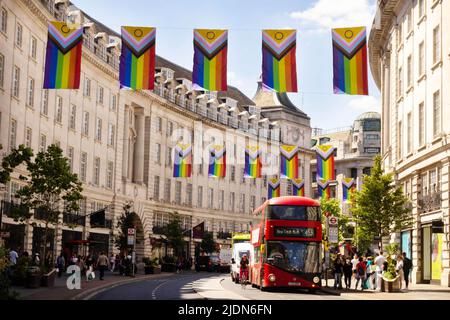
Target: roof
<point>369,115</point>
<point>293,200</point>
<point>179,71</point>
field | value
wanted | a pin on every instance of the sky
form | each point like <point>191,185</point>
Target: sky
<point>244,19</point>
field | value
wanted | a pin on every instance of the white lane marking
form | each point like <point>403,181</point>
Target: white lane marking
<point>154,290</point>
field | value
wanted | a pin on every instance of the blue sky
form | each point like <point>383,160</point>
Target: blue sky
<point>244,19</point>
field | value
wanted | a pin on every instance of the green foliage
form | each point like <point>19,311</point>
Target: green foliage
<point>126,220</point>
<point>50,188</point>
<point>150,262</point>
<point>12,160</point>
<point>332,206</point>
<point>380,207</point>
<point>174,233</point>
<point>208,244</point>
<point>5,285</point>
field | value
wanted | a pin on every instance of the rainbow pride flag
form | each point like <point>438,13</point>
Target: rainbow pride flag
<point>217,161</point>
<point>274,188</point>
<point>325,162</point>
<point>289,161</point>
<point>279,69</point>
<point>323,187</point>
<point>63,56</point>
<point>298,187</point>
<point>210,59</point>
<point>350,61</point>
<point>137,62</point>
<point>348,187</point>
<point>182,165</point>
<point>253,163</point>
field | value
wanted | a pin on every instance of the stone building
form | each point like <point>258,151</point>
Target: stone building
<point>409,48</point>
<point>120,142</point>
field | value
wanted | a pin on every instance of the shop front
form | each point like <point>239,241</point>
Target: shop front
<point>432,253</point>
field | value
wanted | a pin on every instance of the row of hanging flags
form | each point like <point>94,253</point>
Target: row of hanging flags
<point>137,60</point>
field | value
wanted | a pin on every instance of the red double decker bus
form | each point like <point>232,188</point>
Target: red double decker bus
<point>286,235</point>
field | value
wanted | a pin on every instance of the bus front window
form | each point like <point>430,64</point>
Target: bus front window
<point>294,256</point>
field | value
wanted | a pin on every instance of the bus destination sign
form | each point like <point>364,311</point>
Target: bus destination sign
<point>300,232</point>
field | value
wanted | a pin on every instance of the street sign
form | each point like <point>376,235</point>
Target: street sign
<point>333,221</point>
<point>130,240</point>
<point>333,234</point>
<point>131,231</point>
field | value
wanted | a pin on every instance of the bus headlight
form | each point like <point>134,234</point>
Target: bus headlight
<point>272,278</point>
<point>316,279</point>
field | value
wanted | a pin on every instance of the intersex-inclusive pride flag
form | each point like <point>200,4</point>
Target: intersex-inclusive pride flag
<point>182,165</point>
<point>350,61</point>
<point>63,56</point>
<point>217,161</point>
<point>325,162</point>
<point>137,62</point>
<point>323,188</point>
<point>279,70</point>
<point>348,187</point>
<point>298,187</point>
<point>253,163</point>
<point>210,59</point>
<point>274,188</point>
<point>289,162</point>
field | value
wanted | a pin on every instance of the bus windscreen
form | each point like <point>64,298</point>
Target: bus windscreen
<point>286,212</point>
<point>294,256</point>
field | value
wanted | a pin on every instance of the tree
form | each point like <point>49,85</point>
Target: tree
<point>332,207</point>
<point>126,221</point>
<point>174,234</point>
<point>380,206</point>
<point>51,189</point>
<point>12,160</point>
<point>208,244</point>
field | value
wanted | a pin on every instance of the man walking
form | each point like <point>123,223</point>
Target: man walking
<point>379,262</point>
<point>338,266</point>
<point>407,266</point>
<point>102,264</point>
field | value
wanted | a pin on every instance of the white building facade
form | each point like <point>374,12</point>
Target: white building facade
<point>409,48</point>
<point>120,143</point>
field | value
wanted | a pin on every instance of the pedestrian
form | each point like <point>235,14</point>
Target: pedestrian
<point>338,272</point>
<point>36,259</point>
<point>371,270</point>
<point>112,262</point>
<point>407,266</point>
<point>60,264</point>
<point>399,268</point>
<point>379,262</point>
<point>360,273</point>
<point>102,264</point>
<point>13,256</point>
<point>347,268</point>
<point>354,263</point>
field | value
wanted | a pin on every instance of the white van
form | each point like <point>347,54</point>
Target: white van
<point>239,249</point>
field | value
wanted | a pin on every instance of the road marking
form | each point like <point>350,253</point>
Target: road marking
<point>154,290</point>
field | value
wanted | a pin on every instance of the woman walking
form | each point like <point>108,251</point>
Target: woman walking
<point>360,273</point>
<point>348,274</point>
<point>399,268</point>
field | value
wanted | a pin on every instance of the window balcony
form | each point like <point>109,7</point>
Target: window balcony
<point>429,202</point>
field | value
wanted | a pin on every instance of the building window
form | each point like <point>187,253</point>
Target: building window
<point>45,102</point>
<point>200,197</point>
<point>111,134</point>
<point>87,87</point>
<point>4,23</point>
<point>221,199</point>
<point>158,153</point>
<point>30,92</point>
<point>424,184</point>
<point>263,199</point>
<point>158,124</point>
<point>242,206</point>
<point>399,140</point>
<point>253,202</point>
<point>29,136</point>
<point>70,154</point>
<point>211,198</point>
<point>59,106</point>
<point>410,133</point>
<point>73,116</point>
<point>436,45</point>
<point>400,82</point>
<point>169,157</point>
<point>96,178</point>
<point>19,31</point>
<point>233,173</point>
<point>178,192</point>
<point>409,74</point>
<point>100,95</point>
<point>83,166</point>
<point>169,128</point>
<point>98,130</point>
<point>167,191</point>
<point>33,47</point>
<point>421,58</point>
<point>16,82</point>
<point>409,20</point>
<point>156,188</point>
<point>421,124</point>
<point>232,201</point>
<point>436,113</point>
<point>13,134</point>
<point>42,143</point>
<point>2,70</point>
<point>113,102</point>
<point>399,34</point>
<point>109,175</point>
<point>85,127</point>
<point>200,168</point>
<point>421,8</point>
<point>189,194</point>
<point>433,181</point>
